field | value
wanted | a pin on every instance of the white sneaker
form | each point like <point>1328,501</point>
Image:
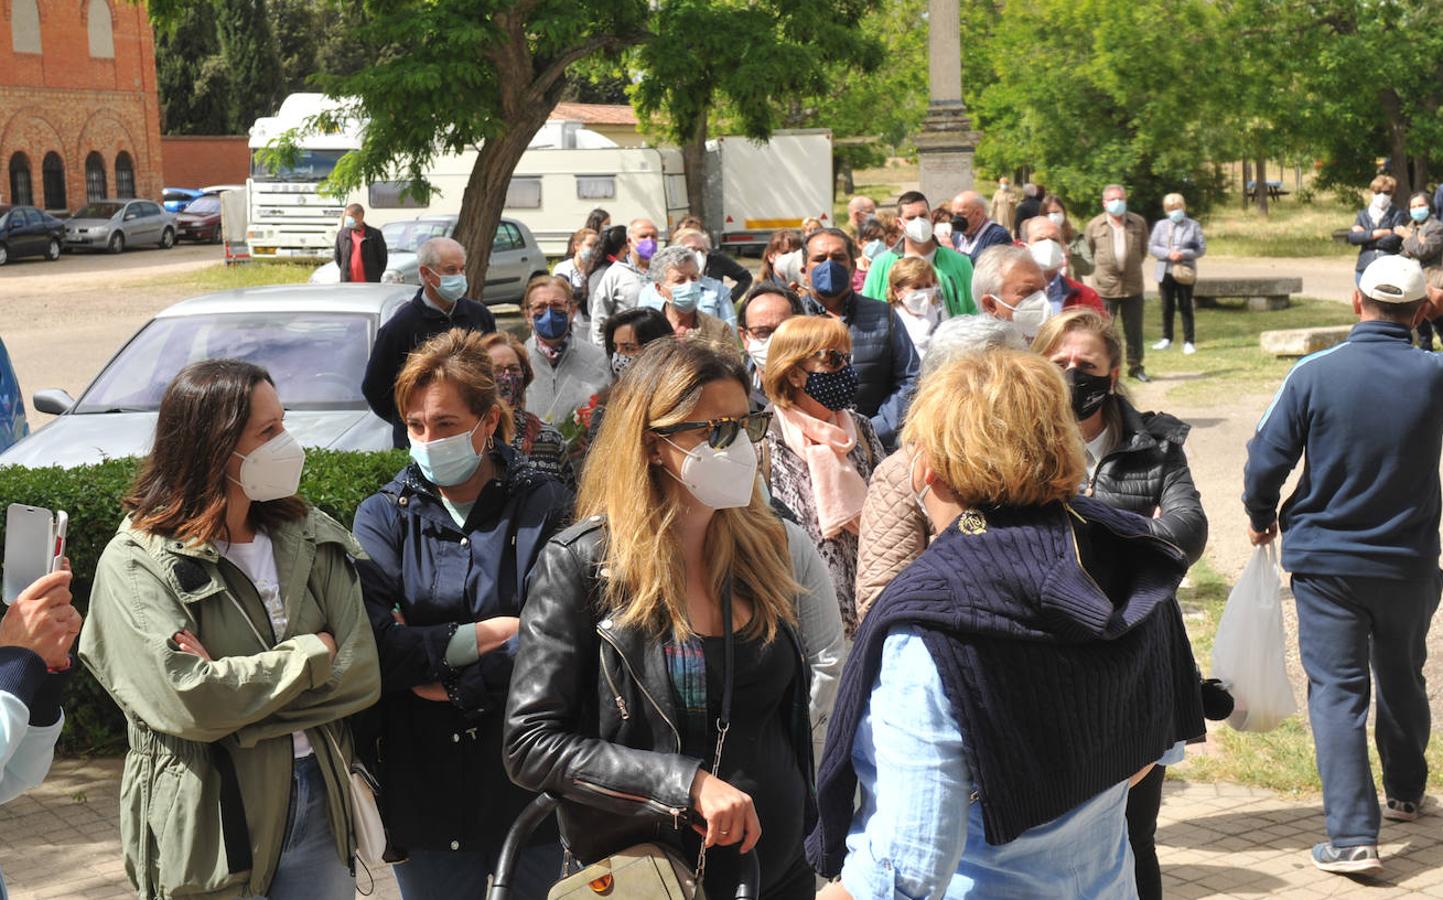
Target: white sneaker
<point>1188,349</point>
<point>1162,344</point>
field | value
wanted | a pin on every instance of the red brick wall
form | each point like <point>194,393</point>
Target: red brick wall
<point>62,100</point>
<point>198,160</point>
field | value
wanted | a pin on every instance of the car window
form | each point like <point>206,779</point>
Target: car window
<point>317,359</point>
<point>176,196</point>
<point>97,211</point>
<point>506,238</point>
<point>29,218</point>
<point>150,209</point>
<point>405,237</point>
<point>204,206</point>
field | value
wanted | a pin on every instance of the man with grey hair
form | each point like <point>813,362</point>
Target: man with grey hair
<point>859,209</point>
<point>1044,240</point>
<point>894,530</point>
<point>972,231</point>
<point>360,249</point>
<point>620,287</point>
<point>1118,240</point>
<point>439,305</point>
<point>1009,285</point>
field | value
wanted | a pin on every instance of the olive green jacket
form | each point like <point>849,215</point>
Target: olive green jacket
<point>187,716</point>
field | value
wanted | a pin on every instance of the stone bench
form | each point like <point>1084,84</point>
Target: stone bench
<point>1261,294</point>
<point>1302,341</point>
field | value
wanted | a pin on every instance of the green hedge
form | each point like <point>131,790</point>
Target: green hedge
<point>335,482</point>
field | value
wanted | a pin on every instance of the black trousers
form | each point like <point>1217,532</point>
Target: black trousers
<point>1176,298</point>
<point>1129,309</point>
<point>1143,803</point>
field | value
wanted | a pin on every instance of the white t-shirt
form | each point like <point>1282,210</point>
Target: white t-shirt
<point>258,561</point>
<point>920,328</point>
<point>1119,242</point>
<point>1097,450</point>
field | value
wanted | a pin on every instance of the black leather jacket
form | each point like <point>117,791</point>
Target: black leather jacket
<point>591,716</point>
<point>1147,471</point>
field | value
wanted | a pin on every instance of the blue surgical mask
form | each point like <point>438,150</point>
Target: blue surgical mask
<point>1418,213</point>
<point>1116,207</point>
<point>451,287</point>
<point>350,222</point>
<point>685,297</point>
<point>552,324</point>
<point>1177,215</point>
<point>831,279</point>
<point>447,462</point>
<point>873,249</point>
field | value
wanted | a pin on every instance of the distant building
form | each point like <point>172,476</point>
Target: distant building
<point>79,117</point>
<point>616,121</point>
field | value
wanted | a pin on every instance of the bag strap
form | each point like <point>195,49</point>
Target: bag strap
<point>723,722</point>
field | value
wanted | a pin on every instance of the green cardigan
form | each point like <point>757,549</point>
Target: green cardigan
<point>954,272</point>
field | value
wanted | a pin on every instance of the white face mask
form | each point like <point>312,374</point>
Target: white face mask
<point>757,350</point>
<point>720,479</point>
<point>1029,313</point>
<point>919,302</point>
<point>919,230</point>
<point>1059,218</point>
<point>1381,201</point>
<point>272,470</point>
<point>1049,254</point>
<point>942,231</point>
<point>700,261</point>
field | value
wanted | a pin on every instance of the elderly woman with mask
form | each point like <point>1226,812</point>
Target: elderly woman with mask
<point>1373,230</point>
<point>1423,240</point>
<point>676,289</point>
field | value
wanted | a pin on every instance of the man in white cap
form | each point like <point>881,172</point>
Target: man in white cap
<point>1361,539</point>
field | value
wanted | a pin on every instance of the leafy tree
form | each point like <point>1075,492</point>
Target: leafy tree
<point>248,49</point>
<point>191,79</point>
<point>751,55</point>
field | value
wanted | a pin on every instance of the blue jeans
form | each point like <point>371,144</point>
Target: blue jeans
<point>463,874</point>
<point>310,868</point>
<point>1344,624</point>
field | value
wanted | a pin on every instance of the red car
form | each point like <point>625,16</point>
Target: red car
<point>200,221</point>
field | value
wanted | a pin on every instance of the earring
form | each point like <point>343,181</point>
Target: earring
<point>491,442</point>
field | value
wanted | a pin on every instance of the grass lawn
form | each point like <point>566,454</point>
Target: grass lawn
<point>1229,362</point>
<point>1291,229</point>
<point>221,277</point>
<point>1281,759</point>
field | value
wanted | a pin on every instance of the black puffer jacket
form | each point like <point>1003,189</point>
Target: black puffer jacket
<point>1146,471</point>
<point>591,715</point>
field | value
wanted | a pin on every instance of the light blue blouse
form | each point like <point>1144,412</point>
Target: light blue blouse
<point>919,830</point>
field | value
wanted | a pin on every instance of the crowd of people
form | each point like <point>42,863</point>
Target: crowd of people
<point>866,567</point>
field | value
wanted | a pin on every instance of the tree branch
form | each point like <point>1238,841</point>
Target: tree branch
<point>555,70</point>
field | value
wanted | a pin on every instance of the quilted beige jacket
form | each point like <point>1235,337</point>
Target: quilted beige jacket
<point>894,531</point>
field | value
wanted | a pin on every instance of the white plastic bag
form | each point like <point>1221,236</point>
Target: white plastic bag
<point>1249,650</point>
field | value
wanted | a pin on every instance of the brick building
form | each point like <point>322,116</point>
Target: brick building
<point>79,117</point>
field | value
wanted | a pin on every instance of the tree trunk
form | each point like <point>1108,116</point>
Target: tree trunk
<point>485,197</point>
<point>1261,178</point>
<point>1397,144</point>
<point>1247,167</point>
<point>693,158</point>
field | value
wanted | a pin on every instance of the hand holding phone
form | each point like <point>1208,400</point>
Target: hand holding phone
<point>34,546</point>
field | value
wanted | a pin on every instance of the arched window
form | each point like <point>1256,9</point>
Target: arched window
<point>25,26</point>
<point>21,193</point>
<point>102,34</point>
<point>94,177</point>
<point>124,176</point>
<point>53,172</point>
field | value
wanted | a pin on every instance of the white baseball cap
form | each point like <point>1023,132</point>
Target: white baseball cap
<point>1393,279</point>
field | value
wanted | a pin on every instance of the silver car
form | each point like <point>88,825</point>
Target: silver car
<point>314,341</point>
<point>515,256</point>
<point>116,224</point>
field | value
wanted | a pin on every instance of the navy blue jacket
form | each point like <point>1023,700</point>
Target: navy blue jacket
<point>443,759</point>
<point>1368,500</point>
<point>408,329</point>
<point>992,235</point>
<point>887,364</point>
<point>1370,249</point>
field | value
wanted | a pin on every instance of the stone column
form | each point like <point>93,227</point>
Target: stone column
<point>946,143</point>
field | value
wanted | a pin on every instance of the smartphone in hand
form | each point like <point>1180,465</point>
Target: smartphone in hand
<point>34,546</point>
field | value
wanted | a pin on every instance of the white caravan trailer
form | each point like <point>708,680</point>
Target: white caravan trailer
<point>754,189</point>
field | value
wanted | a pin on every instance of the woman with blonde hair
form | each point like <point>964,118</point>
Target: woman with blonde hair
<point>1009,684</point>
<point>451,541</point>
<point>679,588</point>
<point>1373,231</point>
<point>913,291</point>
<point>819,451</point>
<point>1176,242</point>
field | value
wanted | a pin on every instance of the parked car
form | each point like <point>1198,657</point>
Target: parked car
<point>13,425</point>
<point>116,224</point>
<point>27,231</point>
<point>200,221</point>
<point>177,199</point>
<point>515,256</point>
<point>313,340</point>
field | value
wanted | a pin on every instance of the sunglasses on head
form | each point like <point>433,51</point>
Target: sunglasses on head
<point>722,432</point>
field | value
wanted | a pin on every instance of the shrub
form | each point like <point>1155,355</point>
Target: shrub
<point>335,482</point>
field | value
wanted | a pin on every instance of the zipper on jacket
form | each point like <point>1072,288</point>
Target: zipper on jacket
<point>642,687</point>
<point>676,813</point>
<point>615,694</point>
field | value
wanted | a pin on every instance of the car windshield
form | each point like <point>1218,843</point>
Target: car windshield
<point>317,359</point>
<point>309,165</point>
<point>405,237</point>
<point>204,206</point>
<point>97,211</point>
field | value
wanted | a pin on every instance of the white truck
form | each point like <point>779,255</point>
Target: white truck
<point>754,189</point>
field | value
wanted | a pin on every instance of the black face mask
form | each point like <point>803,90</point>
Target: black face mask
<point>1089,392</point>
<point>959,225</point>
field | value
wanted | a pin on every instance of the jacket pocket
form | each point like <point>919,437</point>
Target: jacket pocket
<point>184,821</point>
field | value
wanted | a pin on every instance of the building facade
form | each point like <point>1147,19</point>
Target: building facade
<point>79,116</point>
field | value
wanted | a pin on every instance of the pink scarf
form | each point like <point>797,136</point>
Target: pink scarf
<point>837,487</point>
